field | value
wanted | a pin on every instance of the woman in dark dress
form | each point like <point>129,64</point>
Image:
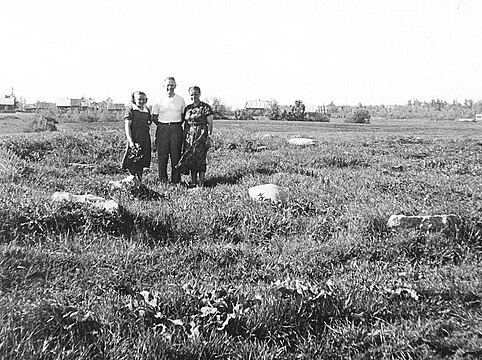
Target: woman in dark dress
<point>198,128</point>
<point>137,122</point>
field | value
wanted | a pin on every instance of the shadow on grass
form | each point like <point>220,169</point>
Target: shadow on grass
<point>151,230</point>
<point>143,192</point>
<point>233,179</point>
<point>223,180</point>
<point>75,218</point>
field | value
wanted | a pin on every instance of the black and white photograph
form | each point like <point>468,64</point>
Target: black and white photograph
<point>256,179</point>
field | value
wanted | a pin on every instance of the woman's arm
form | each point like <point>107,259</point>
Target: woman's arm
<point>210,124</point>
<point>209,141</point>
<point>127,128</point>
<point>149,122</point>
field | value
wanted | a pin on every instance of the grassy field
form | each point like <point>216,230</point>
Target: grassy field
<point>209,274</point>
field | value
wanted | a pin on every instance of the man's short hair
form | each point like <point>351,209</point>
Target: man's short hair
<point>170,78</point>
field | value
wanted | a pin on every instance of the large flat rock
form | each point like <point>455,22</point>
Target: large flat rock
<point>89,199</point>
<point>424,222</point>
<point>270,192</point>
<point>301,141</point>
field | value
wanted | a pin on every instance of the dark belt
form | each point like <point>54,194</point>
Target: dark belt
<point>170,123</point>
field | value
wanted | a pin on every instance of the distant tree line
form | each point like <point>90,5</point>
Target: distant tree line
<point>296,112</point>
<point>414,109</point>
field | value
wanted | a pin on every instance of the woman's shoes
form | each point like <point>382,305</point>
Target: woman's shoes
<point>192,185</point>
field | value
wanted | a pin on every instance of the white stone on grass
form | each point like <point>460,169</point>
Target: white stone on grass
<point>424,223</point>
<point>128,182</point>
<point>110,206</point>
<point>270,192</point>
<point>301,141</point>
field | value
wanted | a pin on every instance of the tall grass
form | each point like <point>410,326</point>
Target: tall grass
<point>209,274</point>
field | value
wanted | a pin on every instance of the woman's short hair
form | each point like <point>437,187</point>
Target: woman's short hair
<point>133,96</point>
<point>197,88</point>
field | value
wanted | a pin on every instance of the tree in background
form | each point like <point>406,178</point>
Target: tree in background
<point>243,114</point>
<point>275,112</point>
<point>297,111</point>
<point>413,109</point>
<point>317,116</point>
<point>359,116</point>
<point>219,108</point>
<point>20,103</point>
<point>332,109</point>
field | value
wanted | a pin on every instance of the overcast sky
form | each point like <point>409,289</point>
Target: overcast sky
<point>346,51</point>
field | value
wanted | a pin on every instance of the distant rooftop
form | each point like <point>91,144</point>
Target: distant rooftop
<point>257,104</point>
<point>7,101</point>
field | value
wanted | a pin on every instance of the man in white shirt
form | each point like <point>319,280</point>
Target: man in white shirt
<point>168,115</point>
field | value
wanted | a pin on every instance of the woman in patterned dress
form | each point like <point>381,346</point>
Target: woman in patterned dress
<point>198,128</point>
<point>137,122</point>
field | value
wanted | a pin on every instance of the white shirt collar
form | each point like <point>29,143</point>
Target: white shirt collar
<point>135,107</point>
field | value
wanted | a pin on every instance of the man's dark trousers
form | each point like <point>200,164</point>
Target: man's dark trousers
<point>169,144</point>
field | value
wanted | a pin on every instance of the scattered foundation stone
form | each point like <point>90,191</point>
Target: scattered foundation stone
<point>266,192</point>
<point>425,223</point>
<point>128,182</point>
<point>92,200</point>
<point>301,141</point>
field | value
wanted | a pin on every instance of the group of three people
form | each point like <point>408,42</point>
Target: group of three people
<point>183,134</point>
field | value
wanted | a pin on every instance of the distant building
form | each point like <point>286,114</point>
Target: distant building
<point>478,117</point>
<point>109,105</point>
<point>29,108</point>
<point>63,104</point>
<point>43,105</point>
<point>82,104</point>
<point>117,107</point>
<point>313,108</point>
<point>285,108</point>
<point>8,103</point>
<point>259,105</point>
